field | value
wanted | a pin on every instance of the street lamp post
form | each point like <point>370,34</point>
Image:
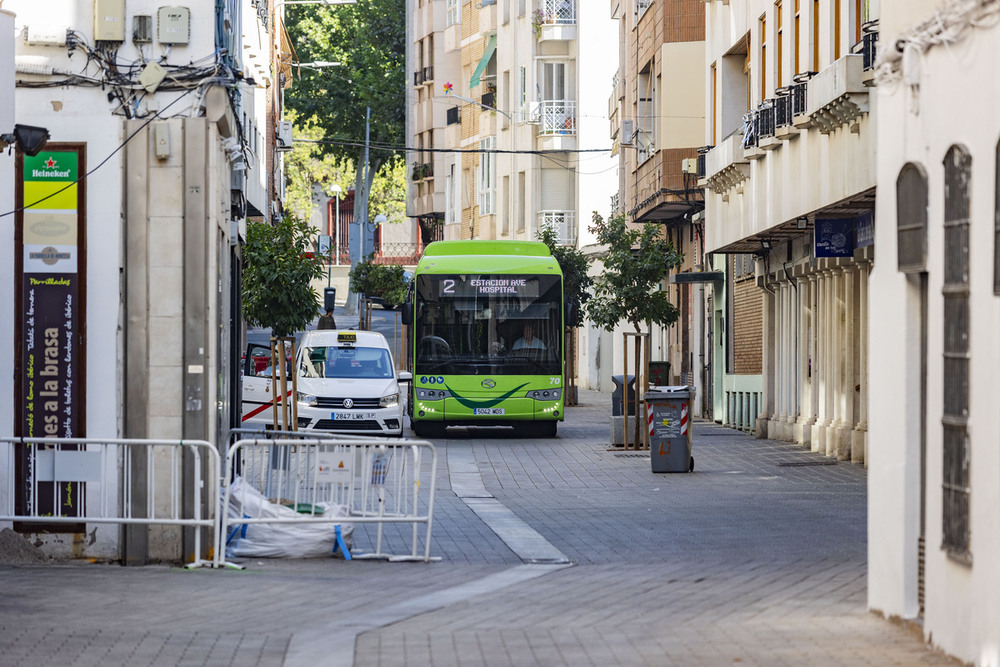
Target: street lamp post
<point>336,226</point>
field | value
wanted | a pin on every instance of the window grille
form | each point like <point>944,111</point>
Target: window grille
<point>765,119</point>
<point>955,485</point>
<point>911,219</point>
<point>996,224</point>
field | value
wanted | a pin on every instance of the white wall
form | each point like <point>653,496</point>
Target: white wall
<point>7,287</point>
<point>953,104</point>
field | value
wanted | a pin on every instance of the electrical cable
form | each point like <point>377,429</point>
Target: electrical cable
<point>102,162</point>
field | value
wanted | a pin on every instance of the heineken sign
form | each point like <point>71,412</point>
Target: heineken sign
<point>50,346</point>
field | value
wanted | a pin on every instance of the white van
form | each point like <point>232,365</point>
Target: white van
<point>347,383</point>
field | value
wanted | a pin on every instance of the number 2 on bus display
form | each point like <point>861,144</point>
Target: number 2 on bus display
<point>449,286</point>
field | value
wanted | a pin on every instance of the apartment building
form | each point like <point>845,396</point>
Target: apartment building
<point>934,464</point>
<point>657,124</point>
<point>510,105</point>
<point>790,181</point>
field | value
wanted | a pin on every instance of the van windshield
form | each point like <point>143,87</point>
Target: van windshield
<point>345,362</point>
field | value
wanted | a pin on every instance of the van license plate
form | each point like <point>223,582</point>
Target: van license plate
<point>352,416</point>
<point>489,411</point>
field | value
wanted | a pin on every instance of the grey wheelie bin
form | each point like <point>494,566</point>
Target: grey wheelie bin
<point>670,428</point>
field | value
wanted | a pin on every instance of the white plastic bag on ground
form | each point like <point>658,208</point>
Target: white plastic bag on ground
<point>279,540</point>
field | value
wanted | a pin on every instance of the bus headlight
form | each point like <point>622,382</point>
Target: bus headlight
<point>545,394</point>
<point>389,400</point>
<point>306,399</point>
<point>433,394</point>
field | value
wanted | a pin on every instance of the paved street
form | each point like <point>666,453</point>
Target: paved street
<point>553,552</point>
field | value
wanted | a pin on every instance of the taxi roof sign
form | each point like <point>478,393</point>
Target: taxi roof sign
<point>347,337</point>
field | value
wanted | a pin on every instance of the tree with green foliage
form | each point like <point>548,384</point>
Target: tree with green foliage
<point>278,270</point>
<point>574,264</point>
<point>384,281</point>
<point>368,39</point>
<point>637,260</point>
<point>310,163</point>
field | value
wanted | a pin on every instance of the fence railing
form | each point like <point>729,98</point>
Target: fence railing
<point>112,481</point>
<point>558,11</point>
<point>563,222</point>
<point>396,253</point>
<point>557,117</point>
<point>385,483</point>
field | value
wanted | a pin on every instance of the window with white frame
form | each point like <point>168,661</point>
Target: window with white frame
<point>453,12</point>
<point>557,113</point>
<point>487,181</point>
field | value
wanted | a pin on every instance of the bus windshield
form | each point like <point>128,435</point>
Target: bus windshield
<point>471,324</point>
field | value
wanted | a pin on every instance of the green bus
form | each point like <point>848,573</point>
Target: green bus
<point>486,337</point>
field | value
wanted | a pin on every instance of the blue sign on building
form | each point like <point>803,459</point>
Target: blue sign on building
<point>834,237</point>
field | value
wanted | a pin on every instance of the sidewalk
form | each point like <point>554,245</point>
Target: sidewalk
<point>756,558</point>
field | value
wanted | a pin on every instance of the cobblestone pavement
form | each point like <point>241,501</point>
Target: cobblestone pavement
<point>756,558</point>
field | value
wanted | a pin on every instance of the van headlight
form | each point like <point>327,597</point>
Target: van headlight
<point>306,399</point>
<point>389,400</point>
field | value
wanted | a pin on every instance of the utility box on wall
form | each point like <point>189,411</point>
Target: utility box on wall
<point>109,20</point>
<point>173,25</point>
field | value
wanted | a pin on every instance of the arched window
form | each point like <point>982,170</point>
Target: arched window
<point>955,485</point>
<point>911,219</point>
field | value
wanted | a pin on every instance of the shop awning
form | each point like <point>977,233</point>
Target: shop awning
<point>491,47</point>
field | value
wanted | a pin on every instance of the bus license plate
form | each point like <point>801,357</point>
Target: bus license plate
<point>353,416</point>
<point>489,411</point>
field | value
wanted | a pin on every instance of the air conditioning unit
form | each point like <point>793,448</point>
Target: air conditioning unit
<point>284,138</point>
<point>628,132</point>
<point>534,113</point>
<point>689,166</point>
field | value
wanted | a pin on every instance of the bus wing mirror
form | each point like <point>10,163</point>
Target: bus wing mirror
<point>406,317</point>
<point>569,314</point>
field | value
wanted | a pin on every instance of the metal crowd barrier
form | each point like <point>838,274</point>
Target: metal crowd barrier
<point>93,480</point>
<point>378,480</point>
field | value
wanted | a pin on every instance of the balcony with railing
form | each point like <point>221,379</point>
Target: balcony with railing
<point>557,117</point>
<point>562,222</point>
<point>838,95</point>
<point>555,20</point>
<point>453,116</point>
<point>869,51</point>
<point>783,127</point>
<point>727,164</point>
<point>765,126</point>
